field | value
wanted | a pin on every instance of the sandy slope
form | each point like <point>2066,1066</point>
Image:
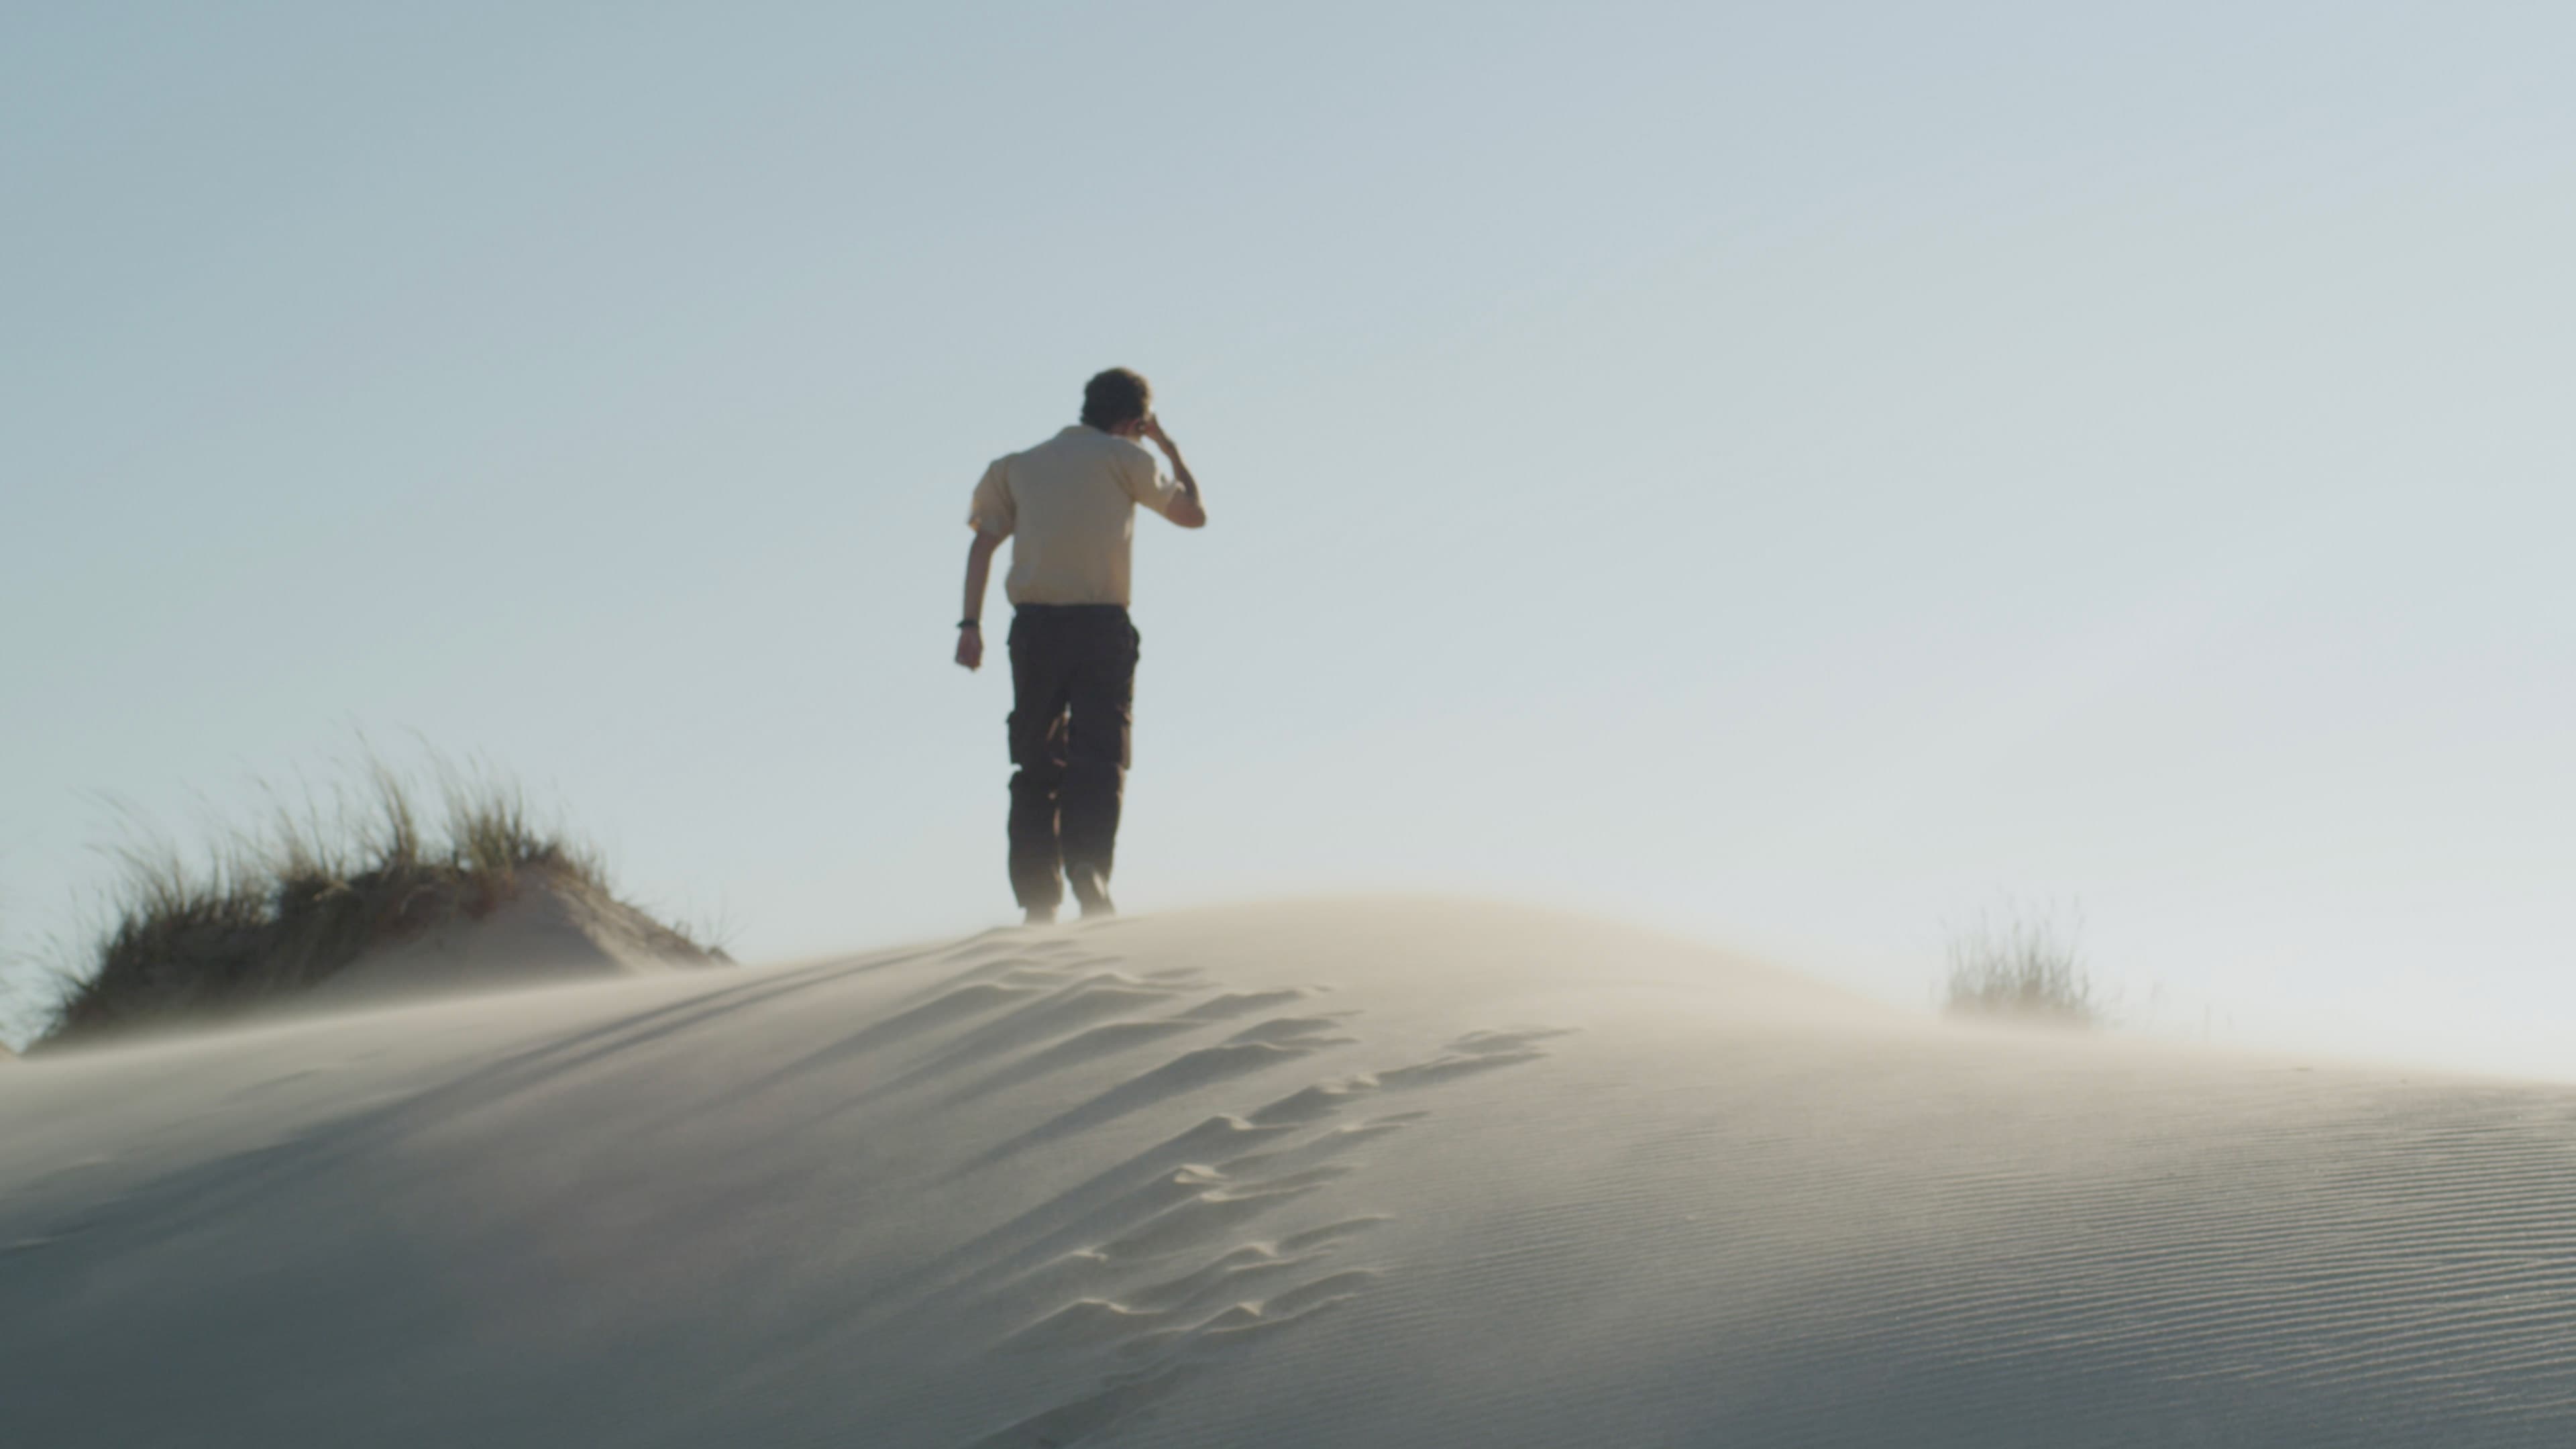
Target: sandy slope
<point>1348,1175</point>
<point>551,930</point>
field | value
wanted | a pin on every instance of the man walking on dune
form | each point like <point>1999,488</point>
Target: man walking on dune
<point>1069,505</point>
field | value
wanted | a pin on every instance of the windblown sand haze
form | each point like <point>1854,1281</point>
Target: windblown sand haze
<point>1376,1173</point>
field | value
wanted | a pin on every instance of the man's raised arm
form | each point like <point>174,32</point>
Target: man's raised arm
<point>1189,510</point>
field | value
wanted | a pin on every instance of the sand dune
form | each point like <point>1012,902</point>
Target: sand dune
<point>554,929</point>
<point>1347,1175</point>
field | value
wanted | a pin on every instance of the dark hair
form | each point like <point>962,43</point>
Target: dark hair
<point>1116,396</point>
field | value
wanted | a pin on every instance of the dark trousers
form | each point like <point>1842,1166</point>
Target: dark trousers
<point>1073,691</point>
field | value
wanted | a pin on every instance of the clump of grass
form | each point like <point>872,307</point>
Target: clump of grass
<point>2029,965</point>
<point>276,909</point>
<point>12,989</point>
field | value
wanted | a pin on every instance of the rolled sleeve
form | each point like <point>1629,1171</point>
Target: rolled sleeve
<point>993,511</point>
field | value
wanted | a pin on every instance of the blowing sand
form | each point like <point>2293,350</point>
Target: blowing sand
<point>1333,1175</point>
<point>550,930</point>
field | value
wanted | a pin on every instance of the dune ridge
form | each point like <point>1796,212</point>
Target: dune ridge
<point>1349,1173</point>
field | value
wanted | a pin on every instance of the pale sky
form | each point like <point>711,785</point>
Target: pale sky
<point>1788,474</point>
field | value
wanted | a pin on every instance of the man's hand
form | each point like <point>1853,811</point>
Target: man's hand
<point>970,648</point>
<point>1154,430</point>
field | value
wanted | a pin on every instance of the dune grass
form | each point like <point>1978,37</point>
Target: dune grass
<point>12,991</point>
<point>2028,965</point>
<point>277,908</point>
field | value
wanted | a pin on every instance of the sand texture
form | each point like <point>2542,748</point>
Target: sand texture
<point>1354,1174</point>
<point>549,931</point>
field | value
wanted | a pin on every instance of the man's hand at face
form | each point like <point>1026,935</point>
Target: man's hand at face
<point>970,648</point>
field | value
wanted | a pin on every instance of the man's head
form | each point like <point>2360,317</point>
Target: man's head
<point>1117,401</point>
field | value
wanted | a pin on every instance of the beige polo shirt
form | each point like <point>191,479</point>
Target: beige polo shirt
<point>1069,507</point>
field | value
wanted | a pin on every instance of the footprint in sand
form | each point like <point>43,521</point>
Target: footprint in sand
<point>1175,1326</point>
<point>1114,1037</point>
<point>1256,1048</point>
<point>1159,1263</point>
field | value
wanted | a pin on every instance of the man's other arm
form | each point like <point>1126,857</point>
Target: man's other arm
<point>1189,510</point>
<point>979,569</point>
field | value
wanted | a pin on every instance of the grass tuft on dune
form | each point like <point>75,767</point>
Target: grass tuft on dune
<point>275,910</point>
<point>2028,966</point>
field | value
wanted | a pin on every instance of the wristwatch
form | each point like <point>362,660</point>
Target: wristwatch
<point>969,624</point>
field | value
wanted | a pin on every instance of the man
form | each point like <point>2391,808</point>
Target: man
<point>1069,504</point>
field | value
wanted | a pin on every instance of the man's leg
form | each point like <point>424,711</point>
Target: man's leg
<point>1101,698</point>
<point>1038,750</point>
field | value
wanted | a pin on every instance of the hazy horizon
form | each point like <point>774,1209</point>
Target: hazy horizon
<point>1791,478</point>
